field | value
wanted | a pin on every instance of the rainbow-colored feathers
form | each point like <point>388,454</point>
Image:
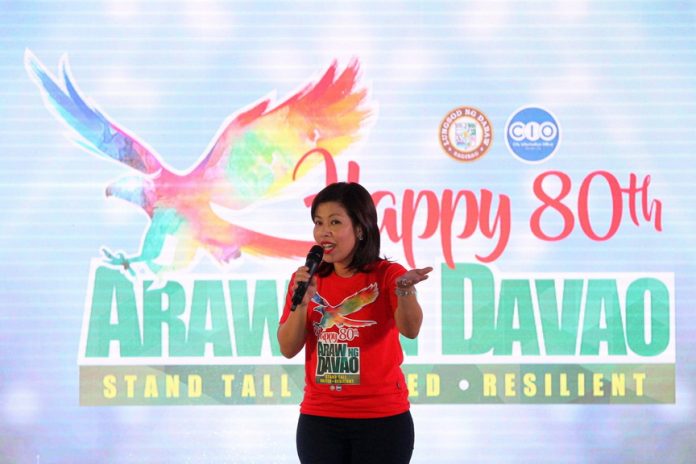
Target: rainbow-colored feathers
<point>336,315</point>
<point>254,156</point>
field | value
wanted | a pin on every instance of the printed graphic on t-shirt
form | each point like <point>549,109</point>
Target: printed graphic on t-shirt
<point>337,361</point>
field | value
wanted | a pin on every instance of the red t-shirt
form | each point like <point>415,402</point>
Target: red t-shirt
<point>352,353</point>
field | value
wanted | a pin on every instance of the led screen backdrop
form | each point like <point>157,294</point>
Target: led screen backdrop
<point>159,162</point>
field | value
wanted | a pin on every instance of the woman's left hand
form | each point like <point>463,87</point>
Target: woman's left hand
<point>412,277</point>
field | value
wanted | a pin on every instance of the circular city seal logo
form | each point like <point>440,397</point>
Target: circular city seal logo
<point>466,134</point>
<point>532,134</point>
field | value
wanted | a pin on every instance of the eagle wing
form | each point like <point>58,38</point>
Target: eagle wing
<point>358,300</point>
<point>257,149</point>
<point>94,131</point>
<point>319,300</point>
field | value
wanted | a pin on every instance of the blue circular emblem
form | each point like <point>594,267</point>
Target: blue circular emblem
<point>532,134</point>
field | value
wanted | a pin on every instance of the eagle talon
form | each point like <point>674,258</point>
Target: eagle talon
<point>119,260</point>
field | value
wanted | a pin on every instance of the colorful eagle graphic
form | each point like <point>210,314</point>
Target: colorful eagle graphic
<point>336,315</point>
<point>254,156</point>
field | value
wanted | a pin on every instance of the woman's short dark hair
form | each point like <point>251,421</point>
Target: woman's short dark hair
<point>357,202</point>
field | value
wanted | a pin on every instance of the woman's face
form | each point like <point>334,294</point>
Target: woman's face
<point>335,232</point>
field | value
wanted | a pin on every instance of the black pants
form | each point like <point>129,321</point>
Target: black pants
<point>330,440</point>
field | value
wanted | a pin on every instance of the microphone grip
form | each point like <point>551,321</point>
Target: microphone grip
<point>313,259</point>
<point>298,295</point>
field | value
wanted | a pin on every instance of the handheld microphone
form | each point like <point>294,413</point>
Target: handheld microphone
<point>313,259</point>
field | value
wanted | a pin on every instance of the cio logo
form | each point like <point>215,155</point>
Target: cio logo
<point>466,133</point>
<point>532,134</point>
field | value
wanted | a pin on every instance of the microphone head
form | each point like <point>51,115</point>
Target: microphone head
<point>316,253</point>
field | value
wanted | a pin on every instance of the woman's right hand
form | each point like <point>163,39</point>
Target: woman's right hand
<point>302,275</point>
<point>293,332</point>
